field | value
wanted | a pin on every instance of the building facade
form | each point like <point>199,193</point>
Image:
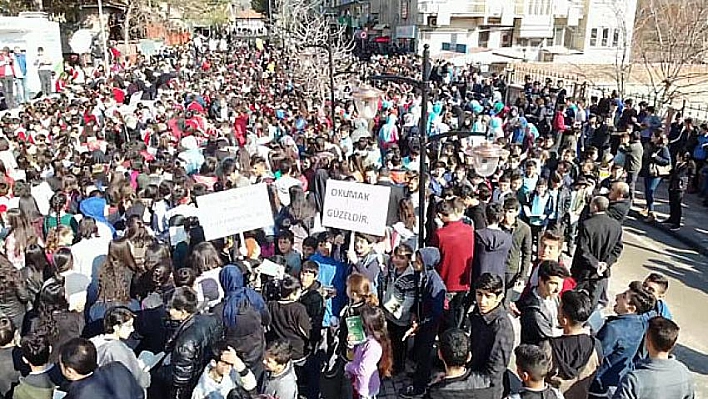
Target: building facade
<point>581,31</point>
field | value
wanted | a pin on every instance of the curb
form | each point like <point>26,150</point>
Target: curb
<point>685,238</point>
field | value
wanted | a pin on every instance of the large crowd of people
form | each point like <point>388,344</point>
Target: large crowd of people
<point>108,288</point>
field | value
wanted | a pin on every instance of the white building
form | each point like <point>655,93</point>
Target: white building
<point>29,31</point>
<point>580,31</point>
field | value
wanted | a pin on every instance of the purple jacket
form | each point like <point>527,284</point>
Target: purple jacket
<point>364,368</point>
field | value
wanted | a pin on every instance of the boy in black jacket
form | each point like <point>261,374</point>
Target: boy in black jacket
<point>313,298</point>
<point>458,381</point>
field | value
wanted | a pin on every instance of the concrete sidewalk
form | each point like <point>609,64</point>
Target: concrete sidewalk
<point>694,230</point>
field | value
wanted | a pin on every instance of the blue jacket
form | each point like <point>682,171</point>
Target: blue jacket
<point>700,152</point>
<point>661,309</point>
<point>621,337</point>
<point>21,61</point>
<point>333,273</point>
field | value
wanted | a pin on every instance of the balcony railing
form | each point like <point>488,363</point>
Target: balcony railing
<point>477,8</point>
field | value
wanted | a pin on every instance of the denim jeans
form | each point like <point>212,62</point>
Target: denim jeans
<point>650,186</point>
<point>632,181</point>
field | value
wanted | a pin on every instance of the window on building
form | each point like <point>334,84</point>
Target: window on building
<point>605,37</point>
<point>559,36</point>
<point>616,38</point>
<point>538,7</point>
<point>483,39</point>
<point>593,37</point>
<point>507,38</point>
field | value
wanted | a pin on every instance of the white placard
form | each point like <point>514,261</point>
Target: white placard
<point>270,268</point>
<point>234,211</point>
<point>356,207</point>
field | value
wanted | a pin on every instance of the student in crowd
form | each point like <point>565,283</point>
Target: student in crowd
<point>661,375</point>
<point>187,347</point>
<point>79,365</point>
<point>244,315</point>
<point>455,240</point>
<point>491,332</point>
<point>539,306</point>
<point>399,289</point>
<point>458,381</point>
<point>290,320</point>
<point>621,337</point>
<point>279,380</point>
<point>658,284</point>
<point>518,263</point>
<point>313,299</point>
<point>293,259</point>
<point>9,358</point>
<point>373,358</point>
<point>575,355</point>
<point>110,347</point>
<point>224,372</point>
<point>492,245</point>
<point>40,382</point>
<point>426,318</point>
<point>363,259</point>
<point>532,366</point>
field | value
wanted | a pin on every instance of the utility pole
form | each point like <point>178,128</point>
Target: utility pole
<point>423,135</point>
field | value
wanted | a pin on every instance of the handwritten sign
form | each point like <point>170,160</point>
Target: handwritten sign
<point>355,206</point>
<point>234,211</point>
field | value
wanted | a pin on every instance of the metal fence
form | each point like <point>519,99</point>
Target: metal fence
<point>580,88</point>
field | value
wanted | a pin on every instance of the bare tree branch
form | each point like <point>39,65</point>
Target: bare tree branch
<point>671,40</point>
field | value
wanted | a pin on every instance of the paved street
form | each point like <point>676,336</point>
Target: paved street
<point>649,249</point>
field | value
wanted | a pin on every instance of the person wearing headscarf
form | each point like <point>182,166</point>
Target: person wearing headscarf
<point>95,207</point>
<point>388,134</point>
<point>244,314</point>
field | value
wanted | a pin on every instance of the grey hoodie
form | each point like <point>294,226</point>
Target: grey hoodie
<point>283,385</point>
<point>657,379</point>
<point>114,350</point>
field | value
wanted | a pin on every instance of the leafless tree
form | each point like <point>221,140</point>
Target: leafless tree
<point>623,64</point>
<point>308,35</point>
<point>671,43</point>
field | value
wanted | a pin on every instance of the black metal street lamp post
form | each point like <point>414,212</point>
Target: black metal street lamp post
<point>421,85</point>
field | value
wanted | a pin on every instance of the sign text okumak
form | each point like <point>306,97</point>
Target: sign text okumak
<point>355,206</point>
